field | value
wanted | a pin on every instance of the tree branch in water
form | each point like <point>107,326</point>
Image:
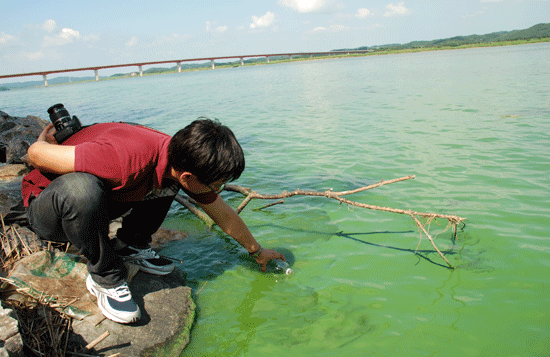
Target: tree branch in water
<point>250,195</point>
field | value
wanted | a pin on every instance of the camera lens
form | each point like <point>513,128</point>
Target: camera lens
<point>59,116</point>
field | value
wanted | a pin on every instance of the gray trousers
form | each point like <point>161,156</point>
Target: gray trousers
<point>77,208</point>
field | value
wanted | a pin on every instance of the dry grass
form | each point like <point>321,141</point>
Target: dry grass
<point>44,330</point>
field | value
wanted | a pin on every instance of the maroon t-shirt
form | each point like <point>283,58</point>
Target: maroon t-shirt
<point>132,159</point>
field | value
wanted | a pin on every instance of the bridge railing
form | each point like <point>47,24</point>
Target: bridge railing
<point>212,60</point>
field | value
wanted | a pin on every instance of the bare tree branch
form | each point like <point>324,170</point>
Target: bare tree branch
<point>250,195</point>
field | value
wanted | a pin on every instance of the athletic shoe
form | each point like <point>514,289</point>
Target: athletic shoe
<point>115,303</point>
<point>147,260</point>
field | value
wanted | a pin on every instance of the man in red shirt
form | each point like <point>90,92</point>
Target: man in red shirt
<point>105,170</point>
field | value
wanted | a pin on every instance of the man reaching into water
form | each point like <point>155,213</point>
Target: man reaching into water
<point>105,170</point>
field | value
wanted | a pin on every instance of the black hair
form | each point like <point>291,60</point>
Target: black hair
<point>208,150</point>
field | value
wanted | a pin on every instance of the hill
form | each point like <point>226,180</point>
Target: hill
<point>535,32</point>
<point>55,80</point>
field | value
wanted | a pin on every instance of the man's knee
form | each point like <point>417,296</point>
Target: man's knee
<point>79,188</point>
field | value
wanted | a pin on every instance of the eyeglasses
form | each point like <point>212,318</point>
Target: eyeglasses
<point>217,190</point>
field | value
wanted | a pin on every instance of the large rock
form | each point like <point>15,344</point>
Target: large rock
<point>16,135</point>
<point>13,171</point>
<point>10,340</point>
<point>167,314</point>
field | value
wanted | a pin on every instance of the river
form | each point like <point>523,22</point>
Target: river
<point>473,125</point>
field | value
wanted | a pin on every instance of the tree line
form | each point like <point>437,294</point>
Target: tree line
<point>539,31</point>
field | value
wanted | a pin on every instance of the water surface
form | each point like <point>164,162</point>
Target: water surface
<point>473,126</point>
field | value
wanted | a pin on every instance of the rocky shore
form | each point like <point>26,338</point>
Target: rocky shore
<point>166,303</point>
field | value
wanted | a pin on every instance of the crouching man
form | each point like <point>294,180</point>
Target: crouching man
<point>105,170</point>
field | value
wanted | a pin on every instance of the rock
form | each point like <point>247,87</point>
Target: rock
<point>11,343</point>
<point>13,172</point>
<point>167,314</point>
<point>16,135</point>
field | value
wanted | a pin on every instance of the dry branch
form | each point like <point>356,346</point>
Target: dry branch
<point>452,219</point>
<point>186,202</point>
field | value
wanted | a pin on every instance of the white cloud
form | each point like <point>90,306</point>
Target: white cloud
<point>49,25</point>
<point>132,42</point>
<point>210,27</point>
<point>362,13</point>
<point>69,34</point>
<point>91,38</point>
<point>304,5</point>
<point>66,35</point>
<point>332,28</point>
<point>5,38</point>
<point>338,27</point>
<point>398,9</point>
<point>32,56</point>
<point>262,21</point>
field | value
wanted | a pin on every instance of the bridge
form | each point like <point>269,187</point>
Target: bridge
<point>178,62</point>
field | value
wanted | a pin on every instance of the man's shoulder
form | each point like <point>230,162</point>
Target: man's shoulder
<point>115,130</point>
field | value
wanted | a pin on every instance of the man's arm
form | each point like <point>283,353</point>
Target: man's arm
<point>48,156</point>
<point>229,221</point>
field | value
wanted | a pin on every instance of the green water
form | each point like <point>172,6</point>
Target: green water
<point>472,125</point>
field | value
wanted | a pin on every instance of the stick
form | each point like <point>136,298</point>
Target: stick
<point>92,344</point>
<point>170,258</point>
<point>431,240</point>
<point>250,195</point>
<point>23,242</point>
<point>269,205</point>
<point>79,354</point>
<point>184,202</point>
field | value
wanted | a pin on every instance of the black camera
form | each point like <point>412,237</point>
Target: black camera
<point>65,126</point>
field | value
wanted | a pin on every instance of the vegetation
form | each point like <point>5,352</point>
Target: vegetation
<point>537,32</point>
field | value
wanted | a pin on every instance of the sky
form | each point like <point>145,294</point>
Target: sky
<point>52,35</point>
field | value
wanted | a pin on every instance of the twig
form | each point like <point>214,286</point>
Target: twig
<point>206,282</point>
<point>92,344</point>
<point>269,205</point>
<point>170,258</point>
<point>381,183</point>
<point>79,354</point>
<point>23,242</point>
<point>431,240</point>
<point>185,202</point>
<point>3,225</point>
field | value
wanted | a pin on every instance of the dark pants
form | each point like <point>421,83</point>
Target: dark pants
<point>77,208</point>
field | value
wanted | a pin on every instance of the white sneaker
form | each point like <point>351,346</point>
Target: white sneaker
<point>115,303</point>
<point>147,260</point>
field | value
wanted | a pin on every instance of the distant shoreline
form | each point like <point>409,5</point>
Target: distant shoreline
<point>233,64</point>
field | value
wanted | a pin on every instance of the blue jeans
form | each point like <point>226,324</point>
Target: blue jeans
<point>77,208</point>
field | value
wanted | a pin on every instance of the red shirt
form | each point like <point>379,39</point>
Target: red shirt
<point>132,159</point>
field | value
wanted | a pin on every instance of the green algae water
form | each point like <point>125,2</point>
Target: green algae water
<point>473,125</point>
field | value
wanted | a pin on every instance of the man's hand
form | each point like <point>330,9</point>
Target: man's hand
<point>47,135</point>
<point>48,156</point>
<point>266,255</point>
<point>229,221</point>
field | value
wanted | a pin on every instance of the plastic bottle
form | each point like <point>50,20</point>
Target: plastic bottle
<point>280,267</point>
